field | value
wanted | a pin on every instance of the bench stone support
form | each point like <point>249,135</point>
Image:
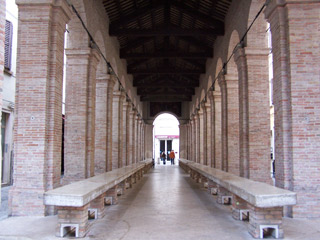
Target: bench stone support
<point>212,187</point>
<point>122,187</point>
<point>73,217</point>
<point>113,192</point>
<point>240,209</point>
<point>223,194</point>
<point>263,219</point>
<point>129,182</point>
<point>98,203</point>
<point>134,178</point>
<point>202,179</point>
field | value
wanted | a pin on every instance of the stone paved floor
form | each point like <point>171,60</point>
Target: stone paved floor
<point>4,203</point>
<point>166,204</point>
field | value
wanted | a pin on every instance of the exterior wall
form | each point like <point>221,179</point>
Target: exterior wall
<point>2,34</point>
<point>8,97</point>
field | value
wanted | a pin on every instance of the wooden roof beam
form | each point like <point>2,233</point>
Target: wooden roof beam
<point>208,20</point>
<point>161,71</point>
<point>116,32</point>
<point>170,54</point>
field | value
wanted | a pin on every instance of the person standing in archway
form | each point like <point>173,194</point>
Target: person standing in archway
<point>163,158</point>
<point>172,156</point>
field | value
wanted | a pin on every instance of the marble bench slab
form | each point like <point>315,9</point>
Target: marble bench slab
<point>258,194</point>
<point>80,193</point>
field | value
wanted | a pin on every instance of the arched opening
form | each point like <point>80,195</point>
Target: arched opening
<point>165,139</point>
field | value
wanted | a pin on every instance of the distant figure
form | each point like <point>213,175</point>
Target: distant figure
<point>163,158</point>
<point>172,156</point>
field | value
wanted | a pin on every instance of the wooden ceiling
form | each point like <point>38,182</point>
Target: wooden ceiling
<point>166,43</point>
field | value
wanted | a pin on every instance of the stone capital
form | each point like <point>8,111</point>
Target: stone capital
<point>105,79</point>
<point>272,5</point>
<point>239,53</point>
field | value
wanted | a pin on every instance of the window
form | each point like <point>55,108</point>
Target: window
<point>8,45</point>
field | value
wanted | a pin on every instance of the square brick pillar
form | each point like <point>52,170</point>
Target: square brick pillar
<point>182,140</point>
<point>113,81</point>
<point>208,149</point>
<point>294,26</point>
<point>117,129</point>
<point>202,134</point>
<point>38,104</point>
<point>100,162</point>
<point>254,114</point>
<point>233,124</point>
<point>72,217</point>
<point>2,40</point>
<point>217,130</point>
<point>80,113</point>
<point>136,137</point>
<point>197,159</point>
<point>191,142</point>
<point>148,141</point>
<point>224,122</point>
<point>125,133</point>
<point>131,135</point>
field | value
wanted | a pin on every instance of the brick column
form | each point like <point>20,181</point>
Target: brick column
<point>224,123</point>
<point>211,126</point>
<point>80,113</point>
<point>135,137</point>
<point>217,130</point>
<point>38,104</point>
<point>138,147</point>
<point>194,139</point>
<point>241,62</point>
<point>202,134</point>
<point>182,141</point>
<point>116,129</point>
<point>130,135</point>
<point>111,84</point>
<point>197,134</point>
<point>233,124</point>
<point>208,130</point>
<point>2,40</point>
<point>296,101</point>
<point>101,125</point>
<point>149,141</point>
<point>191,139</point>
<point>125,133</point>
<point>254,113</point>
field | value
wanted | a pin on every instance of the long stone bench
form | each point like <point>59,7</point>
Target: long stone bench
<point>260,203</point>
<point>79,201</point>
